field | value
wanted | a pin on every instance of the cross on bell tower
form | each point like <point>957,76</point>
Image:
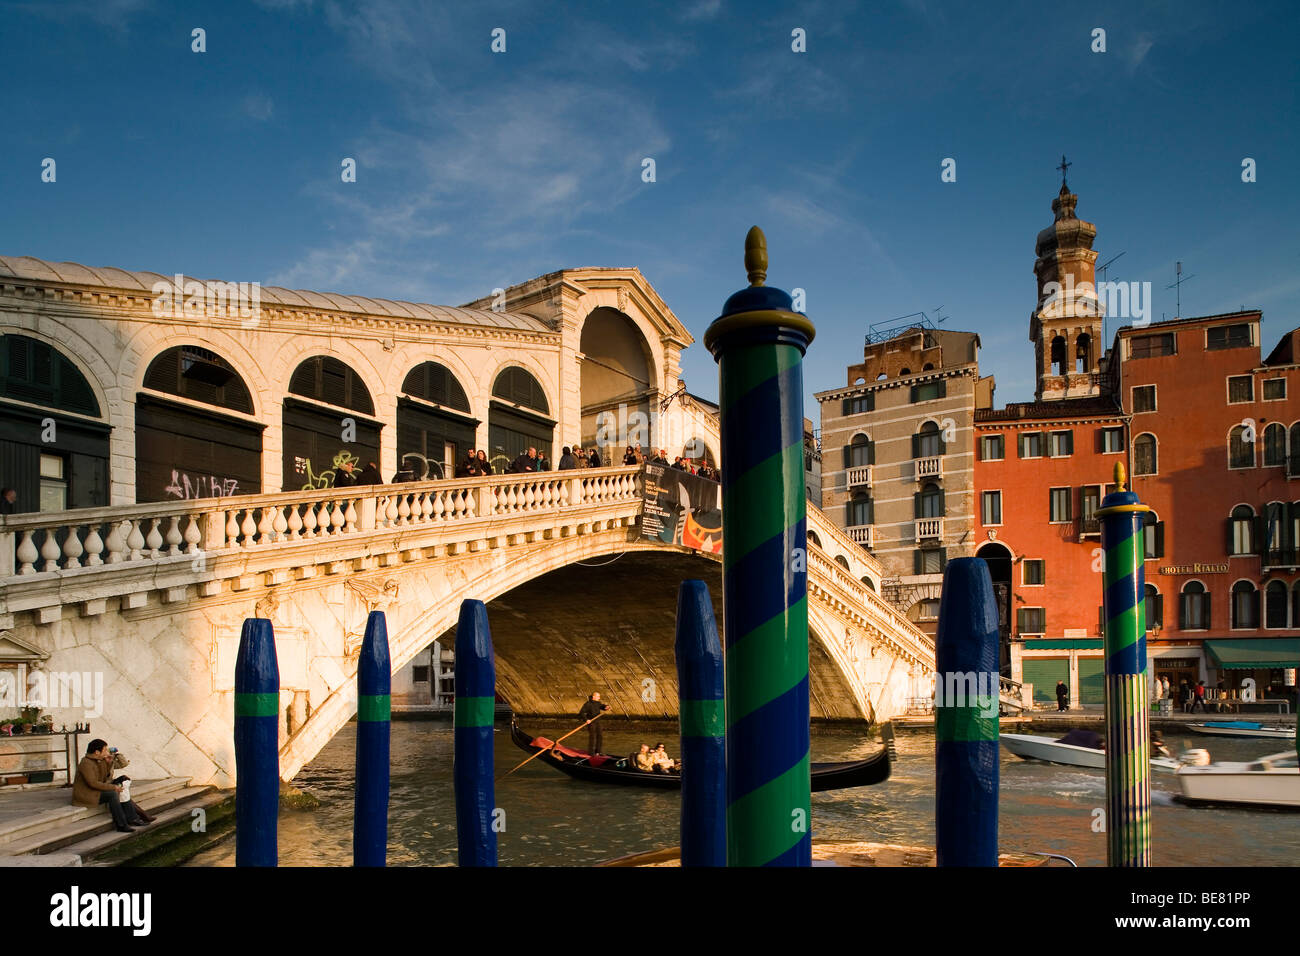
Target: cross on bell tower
<point>1063,167</point>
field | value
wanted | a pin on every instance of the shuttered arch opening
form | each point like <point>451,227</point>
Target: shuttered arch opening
<point>518,418</point>
<point>1092,681</point>
<point>327,423</point>
<point>434,427</point>
<point>36,373</point>
<point>185,450</point>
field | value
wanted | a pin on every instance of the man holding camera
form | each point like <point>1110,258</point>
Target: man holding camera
<point>95,785</point>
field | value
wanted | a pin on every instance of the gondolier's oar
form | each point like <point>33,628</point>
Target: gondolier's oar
<point>545,749</point>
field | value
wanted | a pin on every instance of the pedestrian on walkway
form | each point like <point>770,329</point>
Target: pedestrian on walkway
<point>1062,696</point>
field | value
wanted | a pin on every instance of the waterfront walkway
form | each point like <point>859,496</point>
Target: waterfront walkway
<point>1096,715</point>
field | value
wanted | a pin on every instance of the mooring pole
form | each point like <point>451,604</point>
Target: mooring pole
<point>374,711</point>
<point>966,717</point>
<point>700,706</point>
<point>1128,735</point>
<point>759,342</point>
<point>472,765</point>
<point>257,745</point>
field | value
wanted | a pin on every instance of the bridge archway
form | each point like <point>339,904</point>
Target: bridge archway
<point>519,418</point>
<point>435,428</point>
<point>328,421</point>
<point>617,379</point>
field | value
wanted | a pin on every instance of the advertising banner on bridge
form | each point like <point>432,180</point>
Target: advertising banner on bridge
<point>681,508</point>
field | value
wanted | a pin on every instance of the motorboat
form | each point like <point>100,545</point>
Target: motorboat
<point>1078,748</point>
<point>1241,728</point>
<point>1272,781</point>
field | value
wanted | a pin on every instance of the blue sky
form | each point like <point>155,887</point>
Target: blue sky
<point>478,170</point>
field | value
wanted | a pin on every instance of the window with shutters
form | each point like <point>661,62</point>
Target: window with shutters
<point>929,391</point>
<point>991,507</point>
<point>928,560</point>
<point>1274,445</point>
<point>928,442</point>
<point>1241,388</point>
<point>1274,389</point>
<point>1061,444</point>
<point>1033,572</point>
<point>1144,455</point>
<point>1031,621</point>
<point>1154,607</point>
<point>436,383</point>
<point>860,512</point>
<point>1241,525</point>
<point>1241,447</point>
<point>1277,534</point>
<point>1059,505</point>
<point>1275,601</point>
<point>517,386</point>
<point>200,375</point>
<point>1245,606</point>
<point>1112,440</point>
<point>992,448</point>
<point>929,501</point>
<point>1144,398</point>
<point>859,404</point>
<point>1031,445</point>
<point>327,379</point>
<point>36,372</point>
<point>1149,346</point>
<point>1227,337</point>
<point>1295,604</point>
<point>928,609</point>
<point>1153,536</point>
<point>1194,607</point>
<point>859,452</point>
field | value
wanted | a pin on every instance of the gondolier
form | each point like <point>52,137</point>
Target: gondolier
<point>592,709</point>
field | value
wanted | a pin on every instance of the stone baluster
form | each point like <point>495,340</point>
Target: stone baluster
<point>27,554</point>
<point>529,498</point>
<point>94,547</point>
<point>512,498</point>
<point>350,516</point>
<point>471,503</point>
<point>50,551</point>
<point>155,539</point>
<point>309,524</point>
<point>390,511</point>
<point>248,528</point>
<point>116,543</point>
<point>173,536</point>
<point>403,510</point>
<point>336,518</point>
<point>134,539</point>
<point>458,505</point>
<point>295,522</point>
<point>72,549</point>
<point>193,534</point>
<point>266,526</point>
<point>279,524</point>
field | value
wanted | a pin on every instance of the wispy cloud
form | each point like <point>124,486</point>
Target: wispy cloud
<point>702,10</point>
<point>258,106</point>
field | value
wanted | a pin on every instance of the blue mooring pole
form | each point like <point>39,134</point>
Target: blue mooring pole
<point>257,745</point>
<point>703,722</point>
<point>374,711</point>
<point>966,718</point>
<point>476,683</point>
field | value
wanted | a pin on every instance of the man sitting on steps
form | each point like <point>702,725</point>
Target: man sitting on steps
<point>93,787</point>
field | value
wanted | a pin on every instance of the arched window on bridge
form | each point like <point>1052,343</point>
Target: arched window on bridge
<point>699,452</point>
<point>842,562</point>
<point>814,540</point>
<point>327,423</point>
<point>434,427</point>
<point>207,446</point>
<point>518,418</point>
<point>51,469</point>
<point>871,585</point>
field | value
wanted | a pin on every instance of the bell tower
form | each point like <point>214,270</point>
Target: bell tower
<point>1065,327</point>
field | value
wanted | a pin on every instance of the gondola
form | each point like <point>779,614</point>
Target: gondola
<point>602,768</point>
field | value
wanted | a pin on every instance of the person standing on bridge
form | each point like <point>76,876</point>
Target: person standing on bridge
<point>485,466</point>
<point>592,709</point>
<point>594,460</point>
<point>567,460</point>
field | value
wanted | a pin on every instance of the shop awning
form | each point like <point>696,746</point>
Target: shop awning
<point>1254,653</point>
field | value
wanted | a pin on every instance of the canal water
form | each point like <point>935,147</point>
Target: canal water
<point>554,820</point>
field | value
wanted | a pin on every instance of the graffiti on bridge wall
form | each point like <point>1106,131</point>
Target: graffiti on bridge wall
<point>315,482</point>
<point>186,486</point>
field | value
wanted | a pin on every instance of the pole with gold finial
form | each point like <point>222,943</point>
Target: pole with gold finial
<point>759,343</point>
<point>1128,739</point>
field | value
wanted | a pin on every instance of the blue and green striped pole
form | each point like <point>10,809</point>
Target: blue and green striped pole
<point>966,717</point>
<point>257,745</point>
<point>476,683</point>
<point>1128,740</point>
<point>759,343</point>
<point>374,710</point>
<point>700,708</point>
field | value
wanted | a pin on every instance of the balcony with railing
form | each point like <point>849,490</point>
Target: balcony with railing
<point>1089,527</point>
<point>861,534</point>
<point>859,476</point>
<point>928,528</point>
<point>931,467</point>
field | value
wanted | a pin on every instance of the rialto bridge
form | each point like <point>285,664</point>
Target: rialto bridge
<point>143,593</point>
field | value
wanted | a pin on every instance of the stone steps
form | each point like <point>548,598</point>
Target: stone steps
<point>151,839</point>
<point>51,828</point>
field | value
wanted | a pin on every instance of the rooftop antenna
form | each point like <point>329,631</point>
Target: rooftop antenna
<point>1102,269</point>
<point>1177,286</point>
<point>939,319</point>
